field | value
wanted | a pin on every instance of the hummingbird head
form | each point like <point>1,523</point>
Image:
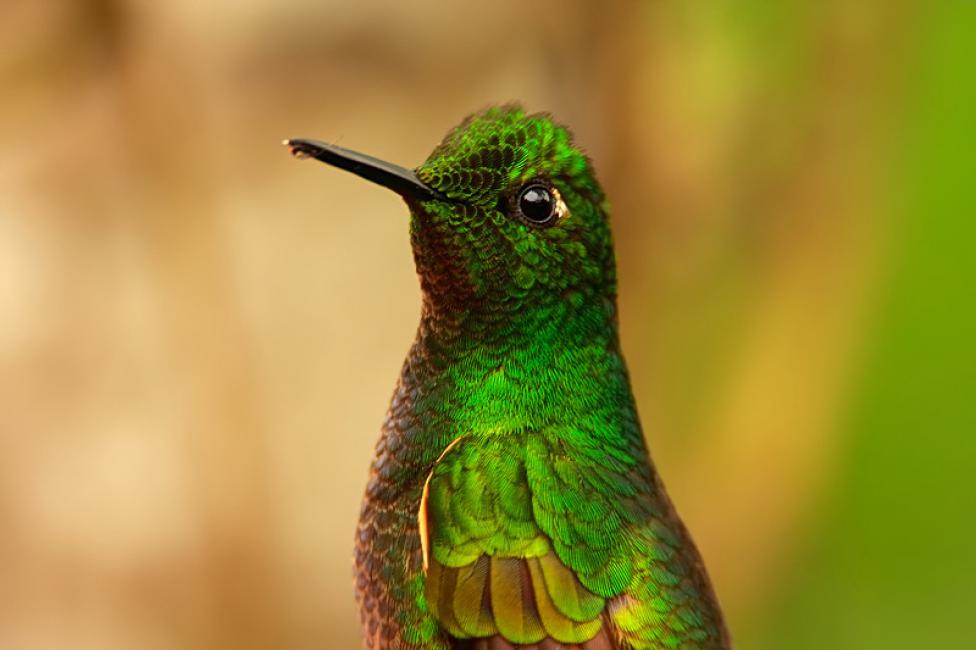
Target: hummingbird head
<point>506,216</point>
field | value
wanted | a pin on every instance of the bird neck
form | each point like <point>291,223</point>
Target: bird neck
<point>515,370</point>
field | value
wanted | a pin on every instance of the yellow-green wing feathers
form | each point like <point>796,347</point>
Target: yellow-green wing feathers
<point>543,538</point>
<point>490,568</point>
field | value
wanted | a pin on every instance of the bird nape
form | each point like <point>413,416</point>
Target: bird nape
<point>512,502</point>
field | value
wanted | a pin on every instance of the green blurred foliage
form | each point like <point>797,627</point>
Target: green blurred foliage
<point>890,562</point>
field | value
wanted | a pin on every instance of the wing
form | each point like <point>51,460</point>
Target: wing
<point>491,570</point>
<point>540,539</point>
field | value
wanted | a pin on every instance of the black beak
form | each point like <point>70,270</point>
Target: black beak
<point>399,179</point>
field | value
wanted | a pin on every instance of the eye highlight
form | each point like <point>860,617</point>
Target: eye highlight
<point>539,204</point>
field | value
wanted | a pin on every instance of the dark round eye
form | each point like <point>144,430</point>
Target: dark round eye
<point>537,204</point>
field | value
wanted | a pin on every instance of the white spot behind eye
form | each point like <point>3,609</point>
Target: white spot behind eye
<point>562,210</point>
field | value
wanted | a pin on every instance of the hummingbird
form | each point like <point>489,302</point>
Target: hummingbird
<point>512,502</point>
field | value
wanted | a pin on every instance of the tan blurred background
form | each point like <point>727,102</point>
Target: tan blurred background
<point>200,334</point>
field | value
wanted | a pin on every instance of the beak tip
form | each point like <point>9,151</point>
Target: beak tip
<point>298,148</point>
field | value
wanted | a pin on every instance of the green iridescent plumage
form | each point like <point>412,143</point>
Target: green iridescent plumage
<point>512,500</point>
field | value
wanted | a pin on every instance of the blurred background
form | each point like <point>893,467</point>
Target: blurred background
<point>199,335</point>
